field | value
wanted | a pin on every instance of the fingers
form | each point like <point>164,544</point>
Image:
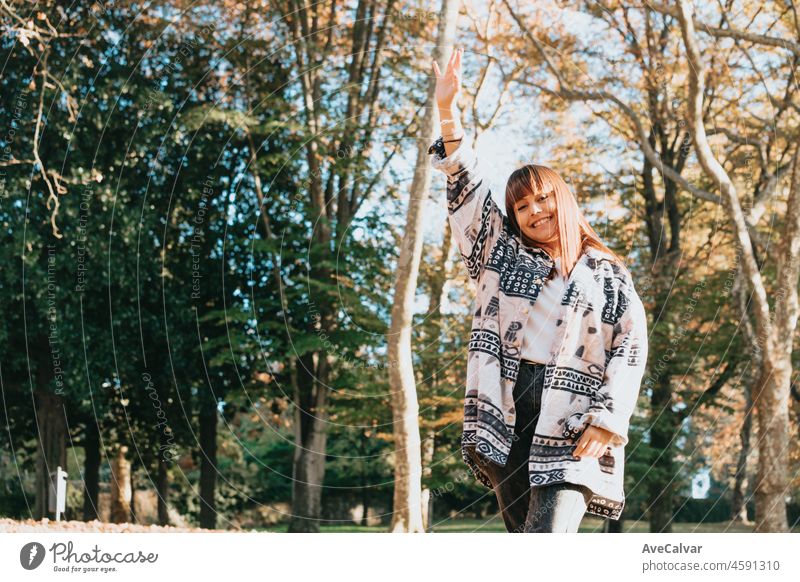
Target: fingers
<point>453,64</point>
<point>589,448</point>
<point>595,449</point>
<point>451,60</point>
<point>580,447</point>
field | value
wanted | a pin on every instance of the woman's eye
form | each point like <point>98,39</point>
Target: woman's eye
<point>542,198</point>
<point>521,208</point>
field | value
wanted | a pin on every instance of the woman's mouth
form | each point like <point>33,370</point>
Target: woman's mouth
<point>540,222</point>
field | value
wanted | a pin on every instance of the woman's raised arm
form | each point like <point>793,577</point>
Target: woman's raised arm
<point>476,220</point>
<point>448,86</point>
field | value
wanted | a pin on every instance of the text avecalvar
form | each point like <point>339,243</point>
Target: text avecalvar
<point>671,549</point>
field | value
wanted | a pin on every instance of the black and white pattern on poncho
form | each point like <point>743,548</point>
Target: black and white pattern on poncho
<point>595,370</point>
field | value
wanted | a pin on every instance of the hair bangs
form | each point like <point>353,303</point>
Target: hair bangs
<point>527,180</point>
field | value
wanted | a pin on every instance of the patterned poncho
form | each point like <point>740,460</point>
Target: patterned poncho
<point>599,353</point>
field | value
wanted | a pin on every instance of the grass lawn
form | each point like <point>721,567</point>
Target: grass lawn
<point>588,525</point>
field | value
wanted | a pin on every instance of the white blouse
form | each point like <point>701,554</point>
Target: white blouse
<point>540,329</point>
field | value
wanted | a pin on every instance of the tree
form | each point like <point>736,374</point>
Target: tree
<point>771,395</point>
<point>407,516</point>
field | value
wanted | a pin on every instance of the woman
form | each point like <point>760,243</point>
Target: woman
<point>558,344</point>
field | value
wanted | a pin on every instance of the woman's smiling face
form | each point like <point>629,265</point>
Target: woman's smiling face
<point>536,215</point>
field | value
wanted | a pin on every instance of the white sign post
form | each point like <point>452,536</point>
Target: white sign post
<point>58,492</point>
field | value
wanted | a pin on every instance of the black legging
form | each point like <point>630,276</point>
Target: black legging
<point>544,509</point>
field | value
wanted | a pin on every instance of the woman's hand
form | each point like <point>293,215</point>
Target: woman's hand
<point>593,442</point>
<point>448,85</point>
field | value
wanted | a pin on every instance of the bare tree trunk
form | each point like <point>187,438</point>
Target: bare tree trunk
<point>162,488</point>
<point>662,474</point>
<point>407,510</point>
<point>310,419</point>
<point>208,463</point>
<point>426,499</point>
<point>772,412</point>
<point>52,444</point>
<point>407,514</point>
<point>134,504</point>
<point>771,399</point>
<point>739,501</point>
<point>121,487</point>
<point>433,331</point>
<point>91,470</point>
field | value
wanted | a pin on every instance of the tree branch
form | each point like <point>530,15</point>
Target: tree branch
<point>714,169</point>
<point>582,95</point>
<point>727,32</point>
